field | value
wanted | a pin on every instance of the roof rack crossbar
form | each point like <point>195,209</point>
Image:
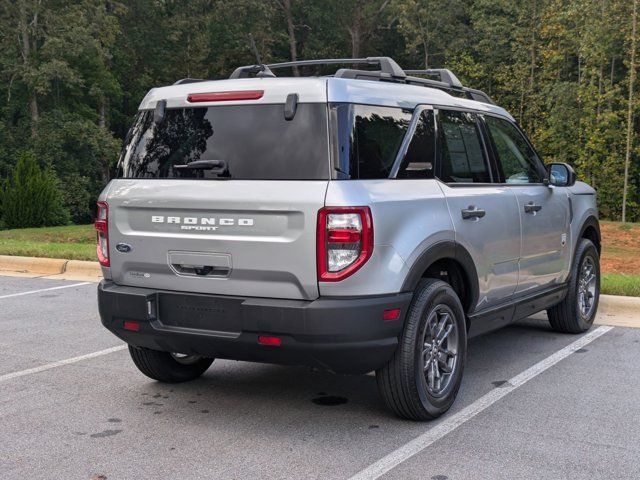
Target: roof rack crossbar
<point>184,81</point>
<point>387,65</point>
<point>445,75</point>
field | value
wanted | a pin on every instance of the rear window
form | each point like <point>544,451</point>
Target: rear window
<point>249,142</point>
<point>367,139</point>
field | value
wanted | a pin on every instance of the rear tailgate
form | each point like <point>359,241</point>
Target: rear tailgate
<point>233,237</point>
<point>219,191</point>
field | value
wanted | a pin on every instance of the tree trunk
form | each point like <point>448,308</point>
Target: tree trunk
<point>425,42</point>
<point>293,47</point>
<point>102,114</point>
<point>632,79</point>
<point>362,28</point>
<point>26,57</point>
<point>355,32</point>
<point>532,60</point>
<point>600,75</point>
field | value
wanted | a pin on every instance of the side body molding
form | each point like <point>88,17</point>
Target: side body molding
<point>439,251</point>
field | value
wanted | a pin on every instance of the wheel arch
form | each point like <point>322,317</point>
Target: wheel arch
<point>452,258</point>
<point>590,230</point>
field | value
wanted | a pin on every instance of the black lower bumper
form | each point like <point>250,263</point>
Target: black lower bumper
<point>343,335</point>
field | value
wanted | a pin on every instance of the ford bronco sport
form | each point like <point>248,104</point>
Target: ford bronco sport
<point>368,220</point>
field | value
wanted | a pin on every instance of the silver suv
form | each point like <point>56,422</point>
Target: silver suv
<point>369,220</point>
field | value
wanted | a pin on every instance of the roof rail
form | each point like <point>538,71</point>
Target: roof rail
<point>389,71</point>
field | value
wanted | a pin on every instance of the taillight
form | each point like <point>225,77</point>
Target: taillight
<point>102,230</point>
<point>345,241</point>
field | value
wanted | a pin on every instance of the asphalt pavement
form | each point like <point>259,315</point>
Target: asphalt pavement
<point>534,404</point>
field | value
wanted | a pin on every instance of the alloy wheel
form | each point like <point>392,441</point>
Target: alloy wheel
<point>440,350</point>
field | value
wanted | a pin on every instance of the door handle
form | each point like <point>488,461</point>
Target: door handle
<point>473,212</point>
<point>532,207</point>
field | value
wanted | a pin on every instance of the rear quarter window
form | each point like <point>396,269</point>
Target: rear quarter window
<point>367,139</point>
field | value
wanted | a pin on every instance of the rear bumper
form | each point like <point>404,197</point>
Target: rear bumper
<point>345,335</point>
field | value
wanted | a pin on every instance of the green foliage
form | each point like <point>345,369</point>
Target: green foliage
<point>78,198</point>
<point>30,196</point>
<point>73,73</point>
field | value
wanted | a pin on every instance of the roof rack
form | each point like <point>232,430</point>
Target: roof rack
<point>387,65</point>
<point>389,71</point>
<point>184,81</point>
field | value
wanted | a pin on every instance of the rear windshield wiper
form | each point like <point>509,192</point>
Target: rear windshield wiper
<point>217,166</point>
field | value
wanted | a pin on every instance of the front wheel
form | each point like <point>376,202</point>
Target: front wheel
<point>576,313</point>
<point>423,377</point>
<point>168,367</point>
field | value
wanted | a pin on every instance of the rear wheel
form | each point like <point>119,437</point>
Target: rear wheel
<point>168,367</point>
<point>576,313</point>
<point>423,377</point>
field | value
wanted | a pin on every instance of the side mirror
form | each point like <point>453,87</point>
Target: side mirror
<point>560,175</point>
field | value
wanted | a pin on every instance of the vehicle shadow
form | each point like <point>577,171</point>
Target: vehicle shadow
<point>245,393</point>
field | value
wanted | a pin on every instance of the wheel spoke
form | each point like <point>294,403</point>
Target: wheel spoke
<point>447,352</point>
<point>443,325</point>
<point>427,363</point>
<point>438,376</point>
<point>443,336</point>
<point>431,376</point>
<point>444,366</point>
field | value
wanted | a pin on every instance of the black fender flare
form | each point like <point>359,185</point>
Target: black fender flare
<point>591,221</point>
<point>439,251</point>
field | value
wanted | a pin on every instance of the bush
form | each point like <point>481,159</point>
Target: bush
<point>76,193</point>
<point>31,197</point>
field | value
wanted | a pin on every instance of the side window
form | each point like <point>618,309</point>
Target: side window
<point>418,162</point>
<point>463,158</point>
<point>516,158</point>
<point>368,138</point>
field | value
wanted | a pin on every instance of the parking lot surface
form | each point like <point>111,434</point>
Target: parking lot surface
<point>73,406</point>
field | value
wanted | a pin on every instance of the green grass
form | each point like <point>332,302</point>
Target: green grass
<point>619,284</point>
<point>73,242</point>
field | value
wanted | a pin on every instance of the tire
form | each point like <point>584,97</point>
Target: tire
<point>405,385</point>
<point>571,315</point>
<point>166,367</point>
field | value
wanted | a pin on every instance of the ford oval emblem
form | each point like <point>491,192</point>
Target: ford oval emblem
<point>124,247</point>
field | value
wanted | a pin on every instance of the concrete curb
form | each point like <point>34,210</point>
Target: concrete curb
<point>50,267</point>
<point>44,266</point>
<point>619,311</point>
<point>619,303</point>
<point>80,267</point>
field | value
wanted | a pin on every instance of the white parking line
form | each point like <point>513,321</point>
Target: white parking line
<point>43,290</point>
<point>418,444</point>
<point>60,363</point>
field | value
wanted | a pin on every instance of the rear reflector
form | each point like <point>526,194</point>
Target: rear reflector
<point>272,341</point>
<point>225,96</point>
<point>133,326</point>
<point>393,314</point>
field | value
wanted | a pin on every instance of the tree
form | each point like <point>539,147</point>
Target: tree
<point>632,79</point>
<point>30,197</point>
